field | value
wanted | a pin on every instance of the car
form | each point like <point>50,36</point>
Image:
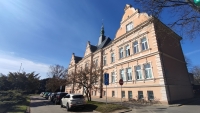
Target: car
<point>59,96</point>
<point>50,96</point>
<point>47,95</point>
<point>71,101</point>
<point>41,94</point>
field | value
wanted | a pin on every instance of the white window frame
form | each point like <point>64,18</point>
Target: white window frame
<point>122,74</point>
<point>112,57</point>
<point>123,94</point>
<point>129,74</point>
<point>142,94</point>
<point>135,47</point>
<point>121,53</point>
<point>150,97</point>
<point>144,44</point>
<point>113,77</point>
<point>129,94</point>
<point>148,70</point>
<point>129,26</point>
<point>138,71</point>
<point>127,50</point>
<point>113,93</point>
<point>104,60</point>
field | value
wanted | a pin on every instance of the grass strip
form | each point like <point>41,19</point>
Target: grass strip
<point>103,107</point>
<point>20,107</point>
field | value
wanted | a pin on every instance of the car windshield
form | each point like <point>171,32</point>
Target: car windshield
<point>77,96</point>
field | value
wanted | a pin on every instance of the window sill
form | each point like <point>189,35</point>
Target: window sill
<point>112,62</point>
<point>140,52</point>
<point>140,79</point>
<point>149,79</point>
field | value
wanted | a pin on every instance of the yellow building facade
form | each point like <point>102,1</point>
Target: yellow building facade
<point>146,54</point>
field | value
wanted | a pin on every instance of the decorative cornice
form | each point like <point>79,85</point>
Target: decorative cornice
<point>131,60</point>
<point>141,26</point>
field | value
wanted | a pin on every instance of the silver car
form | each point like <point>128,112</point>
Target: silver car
<point>72,101</point>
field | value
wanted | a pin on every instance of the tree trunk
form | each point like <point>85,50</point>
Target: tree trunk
<point>86,92</point>
<point>90,98</point>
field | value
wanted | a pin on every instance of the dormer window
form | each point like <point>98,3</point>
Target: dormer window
<point>129,26</point>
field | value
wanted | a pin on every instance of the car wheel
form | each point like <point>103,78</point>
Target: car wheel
<point>61,105</point>
<point>67,106</point>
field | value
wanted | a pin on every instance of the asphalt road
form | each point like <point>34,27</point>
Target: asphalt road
<point>41,105</point>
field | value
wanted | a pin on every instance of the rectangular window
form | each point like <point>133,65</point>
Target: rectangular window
<point>123,94</point>
<point>135,47</point>
<point>121,53</point>
<point>122,74</point>
<point>130,94</point>
<point>86,65</point>
<point>138,72</point>
<point>129,74</point>
<point>95,92</point>
<point>129,26</point>
<point>113,93</point>
<point>150,95</point>
<point>96,62</point>
<point>112,57</point>
<point>127,50</point>
<point>104,93</point>
<point>148,71</point>
<point>104,60</point>
<point>113,77</point>
<point>144,44</point>
<point>140,95</point>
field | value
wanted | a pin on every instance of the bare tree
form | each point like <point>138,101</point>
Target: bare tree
<point>57,75</point>
<point>86,78</point>
<point>196,73</point>
<point>184,14</point>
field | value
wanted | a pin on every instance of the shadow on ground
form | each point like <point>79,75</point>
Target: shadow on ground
<point>87,108</point>
<point>35,103</point>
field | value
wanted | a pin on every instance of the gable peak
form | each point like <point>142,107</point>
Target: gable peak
<point>127,6</point>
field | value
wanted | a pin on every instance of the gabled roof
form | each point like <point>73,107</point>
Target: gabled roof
<point>93,48</point>
<point>104,43</point>
<point>77,59</point>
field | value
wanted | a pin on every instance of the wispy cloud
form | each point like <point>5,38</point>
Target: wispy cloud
<point>10,63</point>
<point>193,52</point>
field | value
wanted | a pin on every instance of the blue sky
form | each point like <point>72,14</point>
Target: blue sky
<point>40,33</point>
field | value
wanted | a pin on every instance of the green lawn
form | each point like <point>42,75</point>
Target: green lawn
<point>20,107</point>
<point>13,102</point>
<point>103,107</point>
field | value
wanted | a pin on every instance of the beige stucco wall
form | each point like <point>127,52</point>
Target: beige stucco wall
<point>158,45</point>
